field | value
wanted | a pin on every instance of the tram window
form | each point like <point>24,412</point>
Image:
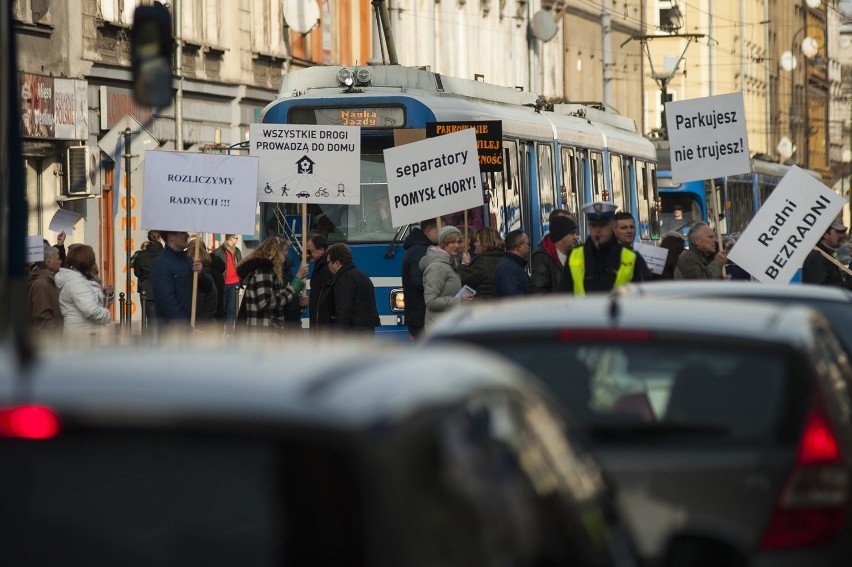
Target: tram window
<point>643,202</point>
<point>617,182</point>
<point>597,176</point>
<point>504,196</point>
<point>741,197</point>
<point>518,216</point>
<point>651,184</point>
<point>546,196</point>
<point>571,184</point>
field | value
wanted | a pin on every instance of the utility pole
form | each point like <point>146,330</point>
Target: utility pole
<point>606,27</point>
<point>179,74</point>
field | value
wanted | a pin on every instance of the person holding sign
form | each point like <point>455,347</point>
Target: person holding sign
<point>441,278</point>
<point>601,264</point>
<point>819,267</point>
<point>268,296</point>
<point>703,260</point>
<point>171,280</point>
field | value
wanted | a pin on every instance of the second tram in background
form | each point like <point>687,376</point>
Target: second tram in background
<point>556,157</point>
<point>739,196</point>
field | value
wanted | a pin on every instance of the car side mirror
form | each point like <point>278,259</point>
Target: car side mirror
<point>151,55</point>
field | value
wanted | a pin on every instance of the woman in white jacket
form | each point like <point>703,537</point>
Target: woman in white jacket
<point>81,298</point>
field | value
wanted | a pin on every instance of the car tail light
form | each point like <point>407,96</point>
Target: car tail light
<point>622,335</point>
<point>28,422</point>
<point>813,504</point>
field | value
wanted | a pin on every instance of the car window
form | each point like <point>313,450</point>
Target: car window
<point>734,393</point>
<point>151,499</point>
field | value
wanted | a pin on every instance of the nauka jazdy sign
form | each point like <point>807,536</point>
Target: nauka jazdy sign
<point>786,228</point>
<point>433,177</point>
<point>708,137</point>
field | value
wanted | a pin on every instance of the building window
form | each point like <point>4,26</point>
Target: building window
<point>118,11</point>
<point>33,11</point>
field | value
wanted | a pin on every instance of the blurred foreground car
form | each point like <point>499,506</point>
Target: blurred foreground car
<point>237,456</point>
<point>724,426</point>
<point>833,302</point>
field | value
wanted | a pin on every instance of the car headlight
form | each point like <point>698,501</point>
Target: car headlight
<point>346,77</point>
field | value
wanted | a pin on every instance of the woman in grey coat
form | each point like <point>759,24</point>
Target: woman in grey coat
<point>441,280</point>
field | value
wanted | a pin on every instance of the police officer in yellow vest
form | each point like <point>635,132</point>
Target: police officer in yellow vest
<point>601,264</point>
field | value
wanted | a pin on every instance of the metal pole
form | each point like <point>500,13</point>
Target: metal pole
<point>606,26</point>
<point>179,74</point>
<point>127,209</point>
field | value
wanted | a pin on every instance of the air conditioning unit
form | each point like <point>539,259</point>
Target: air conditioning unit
<point>83,171</point>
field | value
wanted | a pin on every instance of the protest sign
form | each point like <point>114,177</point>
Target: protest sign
<point>434,177</point>
<point>654,256</point>
<point>707,137</point>
<point>63,220</point>
<point>199,192</point>
<point>35,249</point>
<point>785,229</point>
<point>307,164</point>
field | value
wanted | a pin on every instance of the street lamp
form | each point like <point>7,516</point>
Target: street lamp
<point>809,48</point>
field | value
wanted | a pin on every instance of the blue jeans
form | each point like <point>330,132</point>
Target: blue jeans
<point>230,307</point>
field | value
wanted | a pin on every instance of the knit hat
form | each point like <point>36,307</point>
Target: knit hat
<point>560,227</point>
<point>445,232</point>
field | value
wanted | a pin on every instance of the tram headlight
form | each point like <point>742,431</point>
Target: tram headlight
<point>364,76</point>
<point>397,300</point>
<point>346,77</point>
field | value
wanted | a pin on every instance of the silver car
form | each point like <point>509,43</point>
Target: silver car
<point>725,426</point>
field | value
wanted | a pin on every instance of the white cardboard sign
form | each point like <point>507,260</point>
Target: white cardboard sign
<point>708,137</point>
<point>64,220</point>
<point>654,256</point>
<point>785,229</point>
<point>35,249</point>
<point>433,177</point>
<point>307,164</point>
<point>196,192</point>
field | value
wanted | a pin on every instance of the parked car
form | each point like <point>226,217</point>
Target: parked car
<point>724,426</point>
<point>305,454</point>
<point>833,302</point>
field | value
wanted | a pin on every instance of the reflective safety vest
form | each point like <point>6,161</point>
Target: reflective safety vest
<point>577,265</point>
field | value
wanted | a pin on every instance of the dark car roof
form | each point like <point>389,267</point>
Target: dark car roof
<point>326,384</point>
<point>733,289</point>
<point>766,322</point>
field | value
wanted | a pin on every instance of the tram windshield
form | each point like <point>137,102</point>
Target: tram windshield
<point>369,221</point>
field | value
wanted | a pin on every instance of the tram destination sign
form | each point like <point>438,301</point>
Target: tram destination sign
<point>307,164</point>
<point>433,177</point>
<point>489,140</point>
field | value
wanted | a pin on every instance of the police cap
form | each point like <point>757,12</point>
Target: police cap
<point>599,211</point>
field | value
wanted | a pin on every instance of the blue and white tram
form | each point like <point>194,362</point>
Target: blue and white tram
<point>553,158</point>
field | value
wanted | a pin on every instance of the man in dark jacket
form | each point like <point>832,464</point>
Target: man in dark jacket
<point>319,317</point>
<point>171,280</point>
<point>141,262</point>
<point>703,260</point>
<point>549,257</point>
<point>818,268</point>
<point>224,262</point>
<point>601,264</point>
<point>510,277</point>
<point>353,293</point>
<point>415,245</point>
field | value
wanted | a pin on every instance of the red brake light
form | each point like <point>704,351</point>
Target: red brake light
<point>818,445</point>
<point>621,335</point>
<point>28,422</point>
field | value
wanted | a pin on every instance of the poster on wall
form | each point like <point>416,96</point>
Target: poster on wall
<point>36,106</point>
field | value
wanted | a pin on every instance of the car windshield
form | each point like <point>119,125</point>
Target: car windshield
<point>838,314</point>
<point>660,387</point>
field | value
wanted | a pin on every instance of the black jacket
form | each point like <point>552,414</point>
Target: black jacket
<point>415,245</point>
<point>818,269</point>
<point>141,263</point>
<point>602,265</point>
<point>351,300</point>
<point>544,272</point>
<point>510,277</point>
<point>479,274</point>
<point>320,316</point>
